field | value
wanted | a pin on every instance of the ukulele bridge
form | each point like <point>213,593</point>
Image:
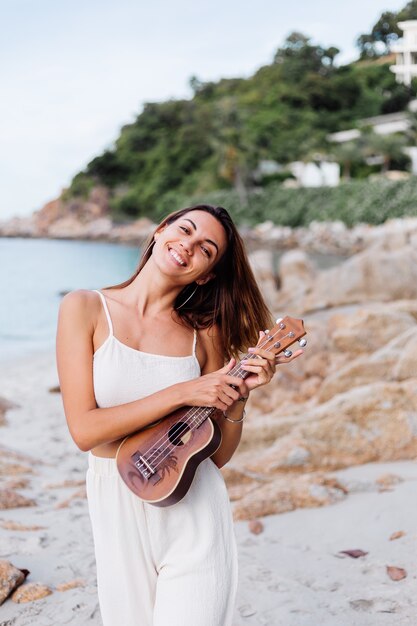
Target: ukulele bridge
<point>145,468</point>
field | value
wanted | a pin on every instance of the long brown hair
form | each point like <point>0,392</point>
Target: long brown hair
<point>231,299</point>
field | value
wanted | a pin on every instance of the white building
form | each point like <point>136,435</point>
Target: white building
<point>406,53</point>
<point>312,174</point>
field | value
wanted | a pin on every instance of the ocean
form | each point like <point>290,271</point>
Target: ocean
<point>34,273</point>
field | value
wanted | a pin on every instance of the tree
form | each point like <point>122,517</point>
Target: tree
<point>347,154</point>
<point>299,57</point>
<point>389,147</point>
<point>385,31</point>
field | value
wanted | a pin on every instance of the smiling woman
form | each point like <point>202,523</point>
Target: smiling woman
<point>131,355</point>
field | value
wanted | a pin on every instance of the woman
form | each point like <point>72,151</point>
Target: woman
<point>129,355</point>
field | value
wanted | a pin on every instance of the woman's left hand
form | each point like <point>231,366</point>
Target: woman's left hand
<point>263,367</point>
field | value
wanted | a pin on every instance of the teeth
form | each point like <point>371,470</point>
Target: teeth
<point>176,256</point>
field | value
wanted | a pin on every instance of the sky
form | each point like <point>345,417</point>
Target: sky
<point>73,73</point>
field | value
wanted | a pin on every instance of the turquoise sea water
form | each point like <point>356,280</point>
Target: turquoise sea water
<point>33,274</point>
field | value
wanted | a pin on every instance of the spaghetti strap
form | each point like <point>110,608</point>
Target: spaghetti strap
<point>195,341</point>
<point>106,310</point>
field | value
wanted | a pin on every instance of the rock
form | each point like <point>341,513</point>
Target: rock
<point>68,227</point>
<point>10,499</point>
<point>367,329</point>
<point>255,526</point>
<point>395,361</point>
<point>283,494</point>
<point>376,422</point>
<point>17,483</point>
<point>65,483</point>
<point>296,272</point>
<point>372,275</point>
<point>397,535</point>
<point>388,480</point>
<point>135,233</point>
<point>12,469</point>
<point>10,525</point>
<point>5,405</point>
<point>262,265</point>
<point>72,584</point>
<point>29,592</point>
<point>10,578</point>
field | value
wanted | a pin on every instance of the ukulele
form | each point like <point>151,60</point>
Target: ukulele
<point>158,463</point>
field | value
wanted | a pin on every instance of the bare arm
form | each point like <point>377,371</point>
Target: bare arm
<point>231,433</point>
<point>91,426</point>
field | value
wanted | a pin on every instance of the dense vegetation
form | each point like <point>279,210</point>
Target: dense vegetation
<point>351,202</point>
<point>178,151</point>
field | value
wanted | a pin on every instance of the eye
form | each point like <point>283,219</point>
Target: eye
<point>206,252</point>
<point>185,229</point>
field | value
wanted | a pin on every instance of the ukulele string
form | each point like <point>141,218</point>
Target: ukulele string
<point>183,427</point>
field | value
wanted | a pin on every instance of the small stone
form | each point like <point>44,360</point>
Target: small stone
<point>72,584</point>
<point>10,499</point>
<point>397,535</point>
<point>17,483</point>
<point>65,483</point>
<point>11,525</point>
<point>388,480</point>
<point>29,592</point>
<point>396,573</point>
<point>255,526</point>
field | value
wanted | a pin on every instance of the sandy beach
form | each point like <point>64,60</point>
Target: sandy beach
<point>291,574</point>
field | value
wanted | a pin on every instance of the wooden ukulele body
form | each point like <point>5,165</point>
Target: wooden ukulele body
<point>158,463</point>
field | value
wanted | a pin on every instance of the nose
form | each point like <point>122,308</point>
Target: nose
<point>187,245</point>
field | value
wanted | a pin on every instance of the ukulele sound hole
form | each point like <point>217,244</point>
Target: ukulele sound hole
<point>179,434</point>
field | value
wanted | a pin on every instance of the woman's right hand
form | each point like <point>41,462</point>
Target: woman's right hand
<point>214,389</point>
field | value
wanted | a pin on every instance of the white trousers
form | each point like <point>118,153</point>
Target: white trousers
<point>173,566</point>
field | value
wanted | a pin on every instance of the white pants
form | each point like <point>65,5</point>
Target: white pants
<point>173,566</point>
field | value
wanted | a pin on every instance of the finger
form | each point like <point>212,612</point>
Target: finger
<point>262,352</point>
<point>267,364</point>
<point>236,381</point>
<point>227,398</point>
<point>230,365</point>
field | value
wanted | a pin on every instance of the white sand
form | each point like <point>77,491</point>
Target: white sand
<point>291,574</point>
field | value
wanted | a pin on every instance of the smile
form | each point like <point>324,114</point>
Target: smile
<point>177,257</point>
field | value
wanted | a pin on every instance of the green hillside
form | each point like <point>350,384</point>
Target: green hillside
<point>179,150</point>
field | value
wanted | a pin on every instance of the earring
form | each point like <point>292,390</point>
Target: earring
<point>189,298</point>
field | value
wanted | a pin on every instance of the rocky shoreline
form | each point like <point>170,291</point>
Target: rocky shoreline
<point>90,220</point>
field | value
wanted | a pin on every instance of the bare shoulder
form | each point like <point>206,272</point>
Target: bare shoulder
<point>82,306</point>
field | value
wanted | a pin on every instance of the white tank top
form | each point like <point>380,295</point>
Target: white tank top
<point>122,374</point>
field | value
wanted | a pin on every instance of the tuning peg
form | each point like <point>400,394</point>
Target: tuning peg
<point>302,342</point>
<point>287,353</point>
<point>266,331</point>
<point>277,321</point>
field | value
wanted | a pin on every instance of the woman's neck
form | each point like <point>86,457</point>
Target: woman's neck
<point>151,293</point>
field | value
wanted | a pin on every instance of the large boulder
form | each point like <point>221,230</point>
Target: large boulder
<point>375,274</point>
<point>395,361</point>
<point>376,422</point>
